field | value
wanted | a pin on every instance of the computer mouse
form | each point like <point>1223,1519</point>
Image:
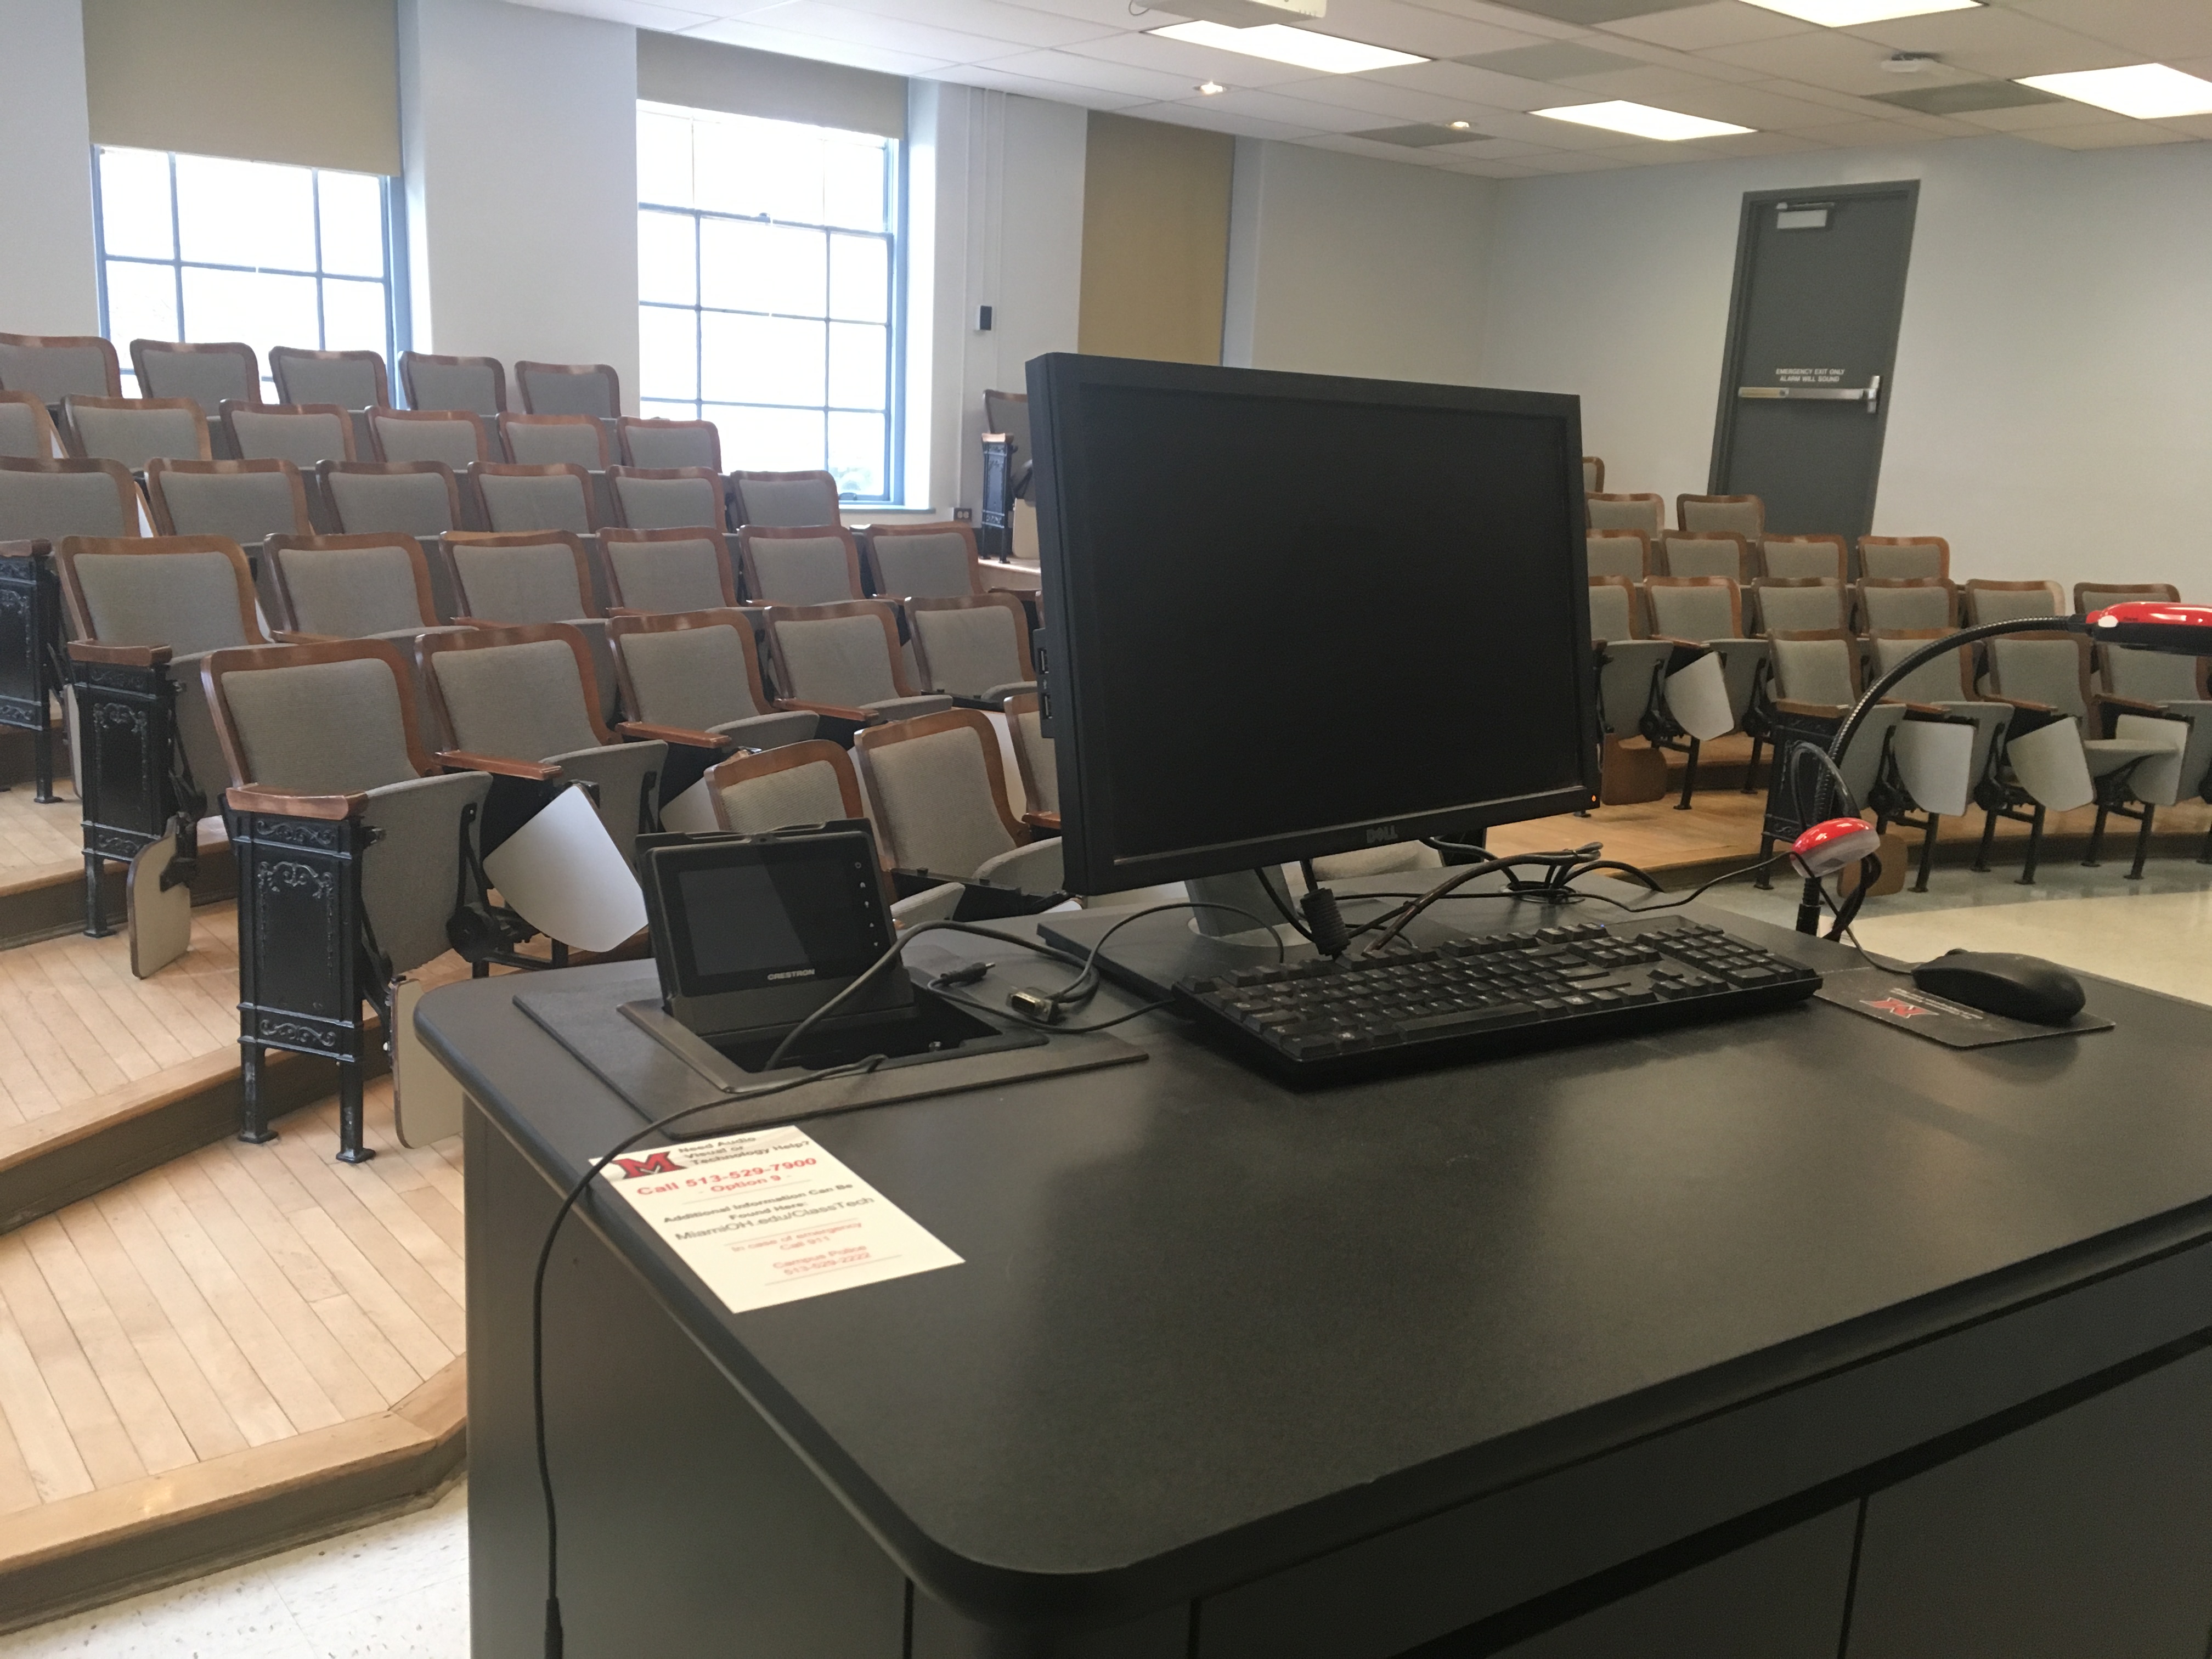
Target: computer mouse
<point>1997,983</point>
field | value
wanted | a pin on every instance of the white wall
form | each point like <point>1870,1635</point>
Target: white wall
<point>1339,264</point>
<point>47,284</point>
<point>519,130</point>
<point>2051,407</point>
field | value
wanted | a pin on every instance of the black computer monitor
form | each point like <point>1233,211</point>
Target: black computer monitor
<point>1290,615</point>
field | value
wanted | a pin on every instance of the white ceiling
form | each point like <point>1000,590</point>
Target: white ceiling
<point>1802,87</point>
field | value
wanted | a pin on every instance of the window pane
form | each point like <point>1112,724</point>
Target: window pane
<point>353,224</point>
<point>769,439</point>
<point>667,352</point>
<point>667,261</point>
<point>763,360</point>
<point>245,213</point>
<point>353,316</point>
<point>746,266</point>
<point>141,303</point>
<point>260,309</point>
<point>859,356</point>
<point>860,278</point>
<point>752,167</point>
<point>134,204</point>
<point>665,411</point>
<point>664,159</point>
<point>854,179</point>
<point>856,454</point>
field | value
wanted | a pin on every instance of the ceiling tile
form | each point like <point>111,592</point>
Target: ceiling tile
<point>1490,169</point>
<point>1477,85</point>
<point>1108,13</point>
<point>1967,98</point>
<point>1362,92</point>
<point>1756,143</point>
<point>1852,135</point>
<point>666,19</point>
<point>1407,27</point>
<point>1847,103</point>
<point>1423,134</point>
<point>2106,135</point>
<point>888,33</point>
<point>1056,92</point>
<point>1302,113</point>
<point>1828,57</point>
<point>1694,28</point>
<point>1666,58</point>
<point>992,20</point>
<point>1990,41</point>
<point>1692,95</point>
<point>1503,17</point>
<point>2194,126</point>
<point>2064,113</point>
<point>1066,67</point>
<point>2159,29</point>
<point>1587,160</point>
<point>1551,134</point>
<point>1202,112</point>
<point>737,32</point>
<point>1554,60</point>
<point>1189,64</point>
<point>1587,12</point>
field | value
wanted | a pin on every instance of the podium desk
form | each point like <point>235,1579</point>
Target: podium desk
<point>1794,1335</point>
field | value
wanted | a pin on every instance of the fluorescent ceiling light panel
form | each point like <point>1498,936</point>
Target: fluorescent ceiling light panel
<point>1850,13</point>
<point>1325,54</point>
<point>1642,120</point>
<point>2149,92</point>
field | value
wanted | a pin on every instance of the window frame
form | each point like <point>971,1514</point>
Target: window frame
<point>894,235</point>
<point>390,228</point>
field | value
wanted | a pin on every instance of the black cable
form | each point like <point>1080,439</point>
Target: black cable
<point>554,1637</point>
<point>1276,899</point>
<point>1695,892</point>
<point>1851,939</point>
<point>1468,872</point>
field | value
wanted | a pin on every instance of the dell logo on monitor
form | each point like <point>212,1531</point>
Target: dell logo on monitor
<point>1380,834</point>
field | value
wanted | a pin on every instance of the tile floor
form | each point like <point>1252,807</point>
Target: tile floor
<point>401,1587</point>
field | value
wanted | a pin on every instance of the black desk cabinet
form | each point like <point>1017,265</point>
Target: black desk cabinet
<point>1791,1337</point>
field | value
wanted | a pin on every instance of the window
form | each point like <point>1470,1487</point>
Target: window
<point>768,271</point>
<point>194,247</point>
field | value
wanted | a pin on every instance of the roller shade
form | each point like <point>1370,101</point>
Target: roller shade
<point>674,68</point>
<point>310,82</point>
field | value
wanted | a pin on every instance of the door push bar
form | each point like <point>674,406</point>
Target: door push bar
<point>1870,394</point>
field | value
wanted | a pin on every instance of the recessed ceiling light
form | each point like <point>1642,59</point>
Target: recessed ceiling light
<point>1461,126</point>
<point>1209,88</point>
<point>1850,13</point>
<point>1642,120</point>
<point>1325,54</point>
<point>2149,92</point>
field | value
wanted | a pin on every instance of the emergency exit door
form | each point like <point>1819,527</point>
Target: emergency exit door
<point>1812,354</point>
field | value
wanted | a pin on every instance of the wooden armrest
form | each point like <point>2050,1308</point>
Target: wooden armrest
<point>1927,711</point>
<point>291,803</point>
<point>119,656</point>
<point>460,760</point>
<point>647,731</point>
<point>858,716</point>
<point>1686,645</point>
<point>1045,821</point>
<point>1815,711</point>
<point>286,636</point>
<point>2023,704</point>
<point>2130,706</point>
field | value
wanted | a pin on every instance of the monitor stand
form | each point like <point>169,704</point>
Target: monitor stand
<point>1150,956</point>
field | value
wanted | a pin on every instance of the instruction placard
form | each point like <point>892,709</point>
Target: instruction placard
<point>769,1217</point>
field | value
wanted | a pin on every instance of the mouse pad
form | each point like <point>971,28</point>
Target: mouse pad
<point>1894,999</point>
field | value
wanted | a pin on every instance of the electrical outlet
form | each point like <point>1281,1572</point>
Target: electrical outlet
<point>964,515</point>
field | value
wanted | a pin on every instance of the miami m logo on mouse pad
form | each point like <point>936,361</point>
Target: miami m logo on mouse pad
<point>1877,994</point>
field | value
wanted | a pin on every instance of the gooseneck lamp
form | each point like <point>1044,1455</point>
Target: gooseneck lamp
<point>1829,844</point>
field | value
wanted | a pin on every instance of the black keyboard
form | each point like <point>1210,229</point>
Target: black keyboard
<point>1323,1021</point>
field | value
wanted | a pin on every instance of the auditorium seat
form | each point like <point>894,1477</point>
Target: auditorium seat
<point>666,497</point>
<point>922,561</point>
<point>553,497</point>
<point>974,646</point>
<point>134,430</point>
<point>667,570</point>
<point>416,498</point>
<point>589,389</point>
<point>1034,759</point>
<point>1744,515</point>
<point>843,661</point>
<point>303,433</point>
<point>28,433</point>
<point>1707,553</point>
<point>52,367</point>
<point>476,385</point>
<point>1622,553</point>
<point>350,380</point>
<point>208,374</point>
<point>1904,558</point>
<point>246,502</point>
<point>1646,513</point>
<point>1629,666</point>
<point>937,789</point>
<point>1994,601</point>
<point>814,565</point>
<point>1592,475</point>
<point>785,500</point>
<point>1792,556</point>
<point>1894,605</point>
<point>1800,605</point>
<point>694,678</point>
<point>659,445</point>
<point>513,577</point>
<point>2095,596</point>
<point>455,437</point>
<point>1708,610</point>
<point>554,440</point>
<point>774,789</point>
<point>69,496</point>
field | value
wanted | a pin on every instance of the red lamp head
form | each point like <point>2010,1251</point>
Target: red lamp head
<point>2155,625</point>
<point>1833,845</point>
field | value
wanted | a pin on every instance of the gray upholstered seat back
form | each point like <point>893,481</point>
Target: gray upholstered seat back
<point>1933,682</point>
<point>411,875</point>
<point>693,677</point>
<point>1043,772</point>
<point>2151,676</point>
<point>135,436</point>
<point>48,505</point>
<point>1616,555</point>
<point>932,796</point>
<point>351,592</point>
<point>669,503</point>
<point>1688,556</point>
<point>412,503</point>
<point>533,445</point>
<point>1814,670</point>
<point>1988,605</point>
<point>969,652</point>
<point>835,660</point>
<point>788,502</point>
<point>671,575</point>
<point>186,601</point>
<point>55,372</point>
<point>554,501</point>
<point>799,794</point>
<point>1611,608</point>
<point>671,447</point>
<point>925,567</point>
<point>472,386</point>
<point>1691,613</point>
<point>1593,472</point>
<point>2090,597</point>
<point>1789,560</point>
<point>1745,518</point>
<point>1647,516</point>
<point>322,728</point>
<point>590,394</point>
<point>1896,609</point>
<point>245,506</point>
<point>1910,563</point>
<point>1801,610</point>
<point>302,439</point>
<point>350,383</point>
<point>519,584</point>
<point>801,570</point>
<point>2038,671</point>
<point>525,702</point>
<point>453,442</point>
<point>206,377</point>
<point>22,434</point>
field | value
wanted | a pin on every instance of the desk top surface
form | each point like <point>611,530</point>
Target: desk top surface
<point>1196,1307</point>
